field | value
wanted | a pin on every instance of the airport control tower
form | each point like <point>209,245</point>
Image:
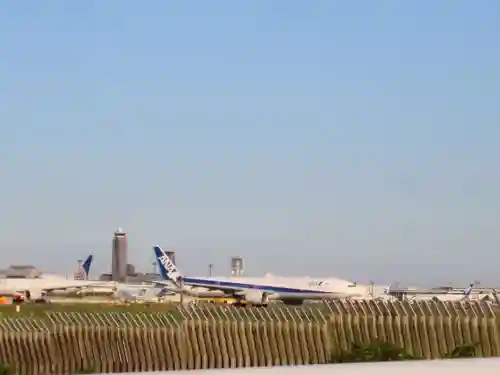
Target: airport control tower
<point>119,256</point>
<point>236,266</point>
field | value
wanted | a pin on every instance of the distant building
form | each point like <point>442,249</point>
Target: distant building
<point>106,277</point>
<point>237,269</point>
<point>22,272</point>
<point>131,270</point>
<point>119,256</point>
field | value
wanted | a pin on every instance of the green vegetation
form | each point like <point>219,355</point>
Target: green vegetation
<point>6,369</point>
<point>383,351</point>
<point>87,370</point>
<point>462,351</point>
<point>92,314</point>
<point>372,352</point>
<point>40,310</point>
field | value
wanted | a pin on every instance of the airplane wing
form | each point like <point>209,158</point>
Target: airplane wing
<point>417,291</point>
<point>219,292</point>
<point>430,291</point>
<point>73,286</point>
<point>214,291</point>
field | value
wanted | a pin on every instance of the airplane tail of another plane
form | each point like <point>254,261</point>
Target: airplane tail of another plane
<point>84,268</point>
<point>388,290</point>
<point>468,291</point>
<point>86,265</point>
<point>167,268</point>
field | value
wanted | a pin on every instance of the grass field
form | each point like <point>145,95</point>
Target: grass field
<point>307,312</point>
<point>40,310</point>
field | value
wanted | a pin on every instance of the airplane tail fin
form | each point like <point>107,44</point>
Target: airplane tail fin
<point>86,265</point>
<point>468,290</point>
<point>167,268</point>
<point>83,270</point>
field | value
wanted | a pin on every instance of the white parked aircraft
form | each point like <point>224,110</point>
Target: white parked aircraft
<point>256,291</point>
<point>35,289</point>
<point>443,292</point>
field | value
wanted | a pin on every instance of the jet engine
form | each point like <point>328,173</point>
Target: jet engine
<point>256,297</point>
<point>34,295</point>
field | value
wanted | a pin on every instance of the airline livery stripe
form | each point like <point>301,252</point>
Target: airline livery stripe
<point>236,286</point>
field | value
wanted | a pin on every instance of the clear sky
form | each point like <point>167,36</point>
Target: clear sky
<point>357,139</point>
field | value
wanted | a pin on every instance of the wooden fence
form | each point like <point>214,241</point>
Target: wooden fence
<point>223,336</point>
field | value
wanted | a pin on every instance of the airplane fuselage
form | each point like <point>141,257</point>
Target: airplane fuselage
<point>286,289</point>
<point>37,287</point>
<point>254,290</point>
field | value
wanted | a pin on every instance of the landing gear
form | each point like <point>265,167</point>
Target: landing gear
<point>239,303</point>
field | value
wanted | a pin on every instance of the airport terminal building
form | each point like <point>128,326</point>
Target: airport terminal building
<point>20,272</point>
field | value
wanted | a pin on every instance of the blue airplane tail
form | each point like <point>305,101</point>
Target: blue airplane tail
<point>158,254</point>
<point>468,290</point>
<point>86,265</point>
<point>168,270</point>
<point>84,268</point>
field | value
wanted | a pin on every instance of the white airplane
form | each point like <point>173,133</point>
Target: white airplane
<point>403,293</point>
<point>84,271</point>
<point>35,289</point>
<point>136,292</point>
<point>255,291</point>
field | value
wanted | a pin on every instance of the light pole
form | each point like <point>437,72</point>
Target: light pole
<point>210,267</point>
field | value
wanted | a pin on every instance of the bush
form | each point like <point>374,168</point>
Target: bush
<point>462,351</point>
<point>379,351</point>
<point>6,369</point>
<point>373,352</point>
<point>87,370</point>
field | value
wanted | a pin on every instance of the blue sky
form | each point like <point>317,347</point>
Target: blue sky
<point>350,139</point>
